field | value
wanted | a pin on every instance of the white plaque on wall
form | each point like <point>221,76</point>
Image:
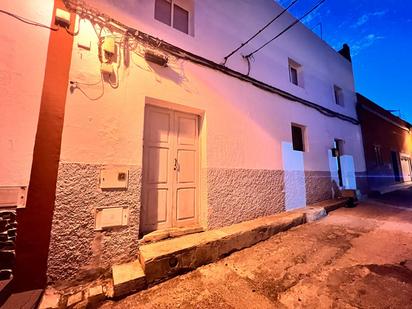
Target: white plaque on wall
<point>110,217</point>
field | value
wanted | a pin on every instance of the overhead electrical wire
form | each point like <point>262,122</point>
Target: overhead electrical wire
<point>285,30</point>
<point>37,24</point>
<point>260,31</point>
<point>96,17</point>
<point>28,21</point>
<point>75,85</point>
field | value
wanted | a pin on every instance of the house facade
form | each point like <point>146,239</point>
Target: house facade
<point>159,132</point>
<point>388,145</point>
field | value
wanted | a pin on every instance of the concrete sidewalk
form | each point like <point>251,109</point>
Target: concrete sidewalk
<point>392,188</point>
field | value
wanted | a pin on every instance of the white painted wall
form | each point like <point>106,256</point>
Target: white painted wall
<point>245,125</point>
<point>221,26</point>
<point>23,51</point>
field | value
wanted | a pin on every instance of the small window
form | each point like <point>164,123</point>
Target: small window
<point>163,11</point>
<point>338,93</point>
<point>180,19</point>
<point>295,72</point>
<point>293,76</point>
<point>171,14</point>
<point>378,155</point>
<point>298,138</point>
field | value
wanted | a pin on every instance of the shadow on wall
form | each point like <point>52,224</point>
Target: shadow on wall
<point>168,73</point>
<point>294,177</point>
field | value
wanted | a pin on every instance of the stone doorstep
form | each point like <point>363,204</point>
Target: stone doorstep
<point>314,214</point>
<point>127,278</point>
<point>330,205</point>
<point>169,233</point>
<point>168,258</point>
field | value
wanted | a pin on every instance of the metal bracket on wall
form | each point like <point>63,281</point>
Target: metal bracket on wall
<point>11,197</point>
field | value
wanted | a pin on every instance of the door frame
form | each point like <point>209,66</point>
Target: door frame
<point>408,157</point>
<point>202,171</point>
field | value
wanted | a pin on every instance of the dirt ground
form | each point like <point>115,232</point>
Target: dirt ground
<point>354,258</point>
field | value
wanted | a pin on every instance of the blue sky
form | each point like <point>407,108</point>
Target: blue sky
<point>379,33</point>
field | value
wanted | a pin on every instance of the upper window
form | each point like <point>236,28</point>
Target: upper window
<point>295,73</point>
<point>338,93</point>
<point>298,137</point>
<point>171,14</point>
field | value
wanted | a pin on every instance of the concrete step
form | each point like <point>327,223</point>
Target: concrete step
<point>330,205</point>
<point>168,258</point>
<point>127,278</point>
<point>169,233</point>
<point>165,259</point>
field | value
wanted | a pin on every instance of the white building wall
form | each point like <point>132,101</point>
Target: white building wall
<point>246,125</point>
<point>221,26</point>
<point>23,52</point>
<point>248,167</point>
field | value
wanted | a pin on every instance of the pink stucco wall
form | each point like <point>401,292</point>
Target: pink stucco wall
<point>23,52</point>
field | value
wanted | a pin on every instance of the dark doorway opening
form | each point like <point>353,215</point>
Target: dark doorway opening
<point>339,148</point>
<point>395,165</point>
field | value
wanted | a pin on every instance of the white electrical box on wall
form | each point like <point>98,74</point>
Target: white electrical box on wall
<point>62,18</point>
<point>109,45</point>
<point>114,178</point>
<point>106,68</point>
<point>109,217</point>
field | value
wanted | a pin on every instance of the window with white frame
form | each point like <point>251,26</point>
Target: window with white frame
<point>338,95</point>
<point>295,73</point>
<point>175,14</point>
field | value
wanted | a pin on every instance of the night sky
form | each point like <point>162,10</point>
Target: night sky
<point>379,33</point>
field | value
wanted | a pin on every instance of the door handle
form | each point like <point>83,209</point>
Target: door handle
<point>176,165</point>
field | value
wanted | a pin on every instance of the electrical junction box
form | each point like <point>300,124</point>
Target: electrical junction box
<point>156,58</point>
<point>106,68</point>
<point>109,217</point>
<point>114,178</point>
<point>62,18</point>
<point>109,45</point>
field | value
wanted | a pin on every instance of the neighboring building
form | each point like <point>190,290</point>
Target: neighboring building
<point>387,142</point>
<point>23,55</point>
<point>189,143</point>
